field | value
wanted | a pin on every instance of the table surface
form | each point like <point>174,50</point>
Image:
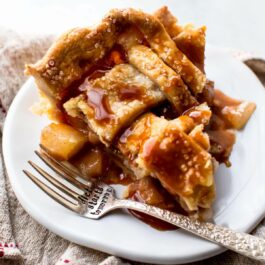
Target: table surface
<point>237,24</point>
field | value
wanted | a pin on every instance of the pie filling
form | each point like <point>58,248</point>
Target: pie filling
<point>131,105</point>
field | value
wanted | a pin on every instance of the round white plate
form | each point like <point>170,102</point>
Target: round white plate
<point>240,202</point>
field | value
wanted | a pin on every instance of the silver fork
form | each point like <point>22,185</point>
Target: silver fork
<point>94,199</point>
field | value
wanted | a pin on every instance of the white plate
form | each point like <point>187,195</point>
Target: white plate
<point>240,202</point>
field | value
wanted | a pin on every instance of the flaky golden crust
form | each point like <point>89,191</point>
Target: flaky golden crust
<point>61,65</point>
<point>169,21</point>
<point>149,63</point>
<point>175,154</point>
<point>169,82</point>
<point>190,40</point>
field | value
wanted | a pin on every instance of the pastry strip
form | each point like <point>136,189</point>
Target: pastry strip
<point>113,101</point>
<point>157,147</point>
<point>62,64</point>
<point>190,40</point>
<point>147,62</point>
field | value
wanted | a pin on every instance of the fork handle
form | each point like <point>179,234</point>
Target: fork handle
<point>242,243</point>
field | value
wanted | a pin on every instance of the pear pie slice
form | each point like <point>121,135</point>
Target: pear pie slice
<point>131,104</point>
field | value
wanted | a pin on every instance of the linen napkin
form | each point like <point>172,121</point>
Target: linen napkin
<point>22,239</point>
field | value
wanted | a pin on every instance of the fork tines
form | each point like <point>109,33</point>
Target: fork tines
<point>78,191</point>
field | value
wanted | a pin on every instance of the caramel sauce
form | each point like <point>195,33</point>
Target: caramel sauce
<point>96,97</point>
<point>222,142</point>
<point>135,135</point>
<point>115,175</point>
<point>150,191</point>
<point>221,139</point>
<point>217,123</point>
<point>130,92</point>
<point>207,94</point>
<point>150,220</point>
<point>198,116</point>
<point>218,120</point>
<point>116,55</point>
<point>221,100</point>
<point>174,159</point>
<point>98,100</point>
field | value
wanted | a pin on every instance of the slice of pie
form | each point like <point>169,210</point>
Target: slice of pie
<point>131,104</point>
